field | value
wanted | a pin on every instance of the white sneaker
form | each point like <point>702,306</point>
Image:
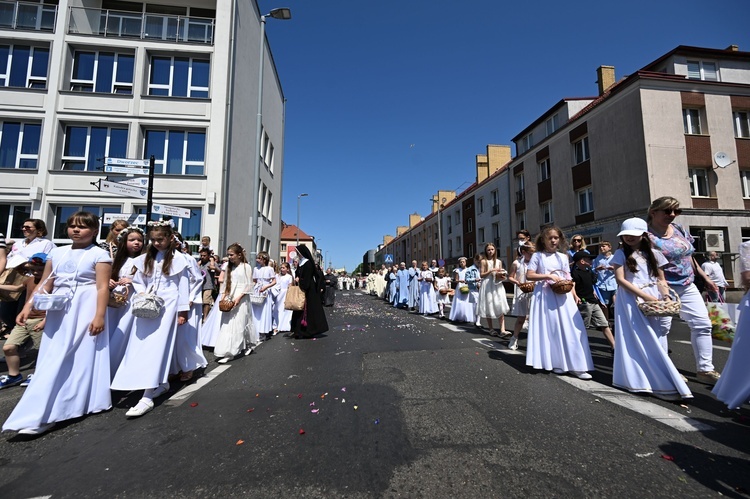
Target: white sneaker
<point>226,359</point>
<point>581,375</point>
<point>142,407</point>
<point>37,431</point>
<point>513,345</point>
<point>248,351</point>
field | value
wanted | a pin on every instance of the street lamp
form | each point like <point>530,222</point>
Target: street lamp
<point>298,199</point>
<point>283,14</point>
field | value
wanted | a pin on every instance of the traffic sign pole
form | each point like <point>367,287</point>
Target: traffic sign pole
<point>150,198</point>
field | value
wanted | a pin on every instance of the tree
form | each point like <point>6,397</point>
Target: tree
<point>357,270</point>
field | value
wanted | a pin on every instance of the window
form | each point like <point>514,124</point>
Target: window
<point>458,217</point>
<point>526,143</point>
<point>190,228</point>
<point>19,145</point>
<point>470,249</point>
<point>581,151</point>
<point>265,199</point>
<point>544,171</point>
<point>545,210</point>
<point>702,70</point>
<point>745,182</point>
<point>62,213</point>
<point>85,147</point>
<point>742,124</point>
<point>520,188</point>
<point>179,77</point>
<point>11,218</point>
<point>266,151</point>
<point>177,152</point>
<point>691,118</point>
<point>495,203</point>
<point>450,248</point>
<point>480,205</point>
<point>102,72</point>
<point>283,246</point>
<point>480,235</point>
<point>23,66</point>
<point>458,242</point>
<point>699,183</point>
<point>551,125</point>
<point>469,225</point>
<point>585,200</point>
<point>521,220</point>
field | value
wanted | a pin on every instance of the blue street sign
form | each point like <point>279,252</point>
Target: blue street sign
<point>388,258</point>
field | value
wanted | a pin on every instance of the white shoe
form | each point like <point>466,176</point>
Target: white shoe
<point>37,431</point>
<point>226,359</point>
<point>142,407</point>
<point>247,352</point>
<point>581,375</point>
<point>557,370</point>
<point>513,345</point>
<point>160,390</point>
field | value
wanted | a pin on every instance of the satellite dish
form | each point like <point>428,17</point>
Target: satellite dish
<point>722,160</point>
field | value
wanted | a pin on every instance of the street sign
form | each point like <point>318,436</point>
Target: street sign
<point>123,189</point>
<point>132,218</point>
<point>137,182</point>
<point>388,258</point>
<point>127,170</point>
<point>133,163</point>
<point>170,211</point>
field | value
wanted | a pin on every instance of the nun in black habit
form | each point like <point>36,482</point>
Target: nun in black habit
<point>330,294</point>
<point>312,320</point>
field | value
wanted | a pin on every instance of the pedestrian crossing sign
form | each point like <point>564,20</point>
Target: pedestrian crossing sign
<point>389,258</point>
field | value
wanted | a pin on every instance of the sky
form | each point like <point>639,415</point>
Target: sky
<point>389,101</point>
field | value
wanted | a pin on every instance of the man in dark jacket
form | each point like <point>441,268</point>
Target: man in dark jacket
<point>588,303</point>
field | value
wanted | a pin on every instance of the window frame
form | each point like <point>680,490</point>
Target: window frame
<point>21,156</point>
<point>702,69</point>
<point>588,200</point>
<point>11,223</point>
<point>694,175</point>
<point>521,220</point>
<point>160,165</point>
<point>114,85</point>
<point>546,214</point>
<point>582,154</point>
<point>544,169</point>
<point>745,183</point>
<point>85,159</point>
<point>692,118</point>
<point>480,205</point>
<point>551,124</point>
<point>30,79</point>
<point>59,222</point>
<point>170,86</point>
<point>739,120</point>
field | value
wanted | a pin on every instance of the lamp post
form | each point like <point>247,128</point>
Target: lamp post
<point>298,203</point>
<point>283,14</point>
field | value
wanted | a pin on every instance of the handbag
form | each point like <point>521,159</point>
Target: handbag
<point>118,298</point>
<point>45,301</point>
<point>148,305</point>
<point>11,277</point>
<point>226,304</point>
<point>295,298</point>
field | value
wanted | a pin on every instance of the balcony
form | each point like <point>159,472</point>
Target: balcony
<point>123,24</point>
<point>28,16</point>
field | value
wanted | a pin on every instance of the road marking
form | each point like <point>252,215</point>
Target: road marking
<point>182,395</point>
<point>717,347</point>
<point>344,294</point>
<point>453,328</point>
<point>627,400</point>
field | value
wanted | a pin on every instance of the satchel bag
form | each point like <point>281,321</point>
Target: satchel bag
<point>295,298</point>
<point>11,277</point>
<point>148,305</point>
<point>226,304</point>
<point>118,298</point>
<point>44,301</point>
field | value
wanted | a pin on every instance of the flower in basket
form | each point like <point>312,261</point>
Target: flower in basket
<point>722,328</point>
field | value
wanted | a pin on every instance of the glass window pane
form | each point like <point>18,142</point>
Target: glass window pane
<point>155,146</point>
<point>196,146</point>
<point>191,227</point>
<point>180,77</point>
<point>4,52</point>
<point>97,148</point>
<point>20,214</point>
<point>40,62</point>
<point>160,67</point>
<point>18,66</point>
<point>75,141</point>
<point>174,155</point>
<point>125,68</point>
<point>200,74</point>
<point>199,94</point>
<point>193,169</point>
<point>9,145</point>
<point>31,134</point>
<point>118,143</point>
<point>83,66</point>
<point>28,164</point>
<point>159,91</point>
<point>61,219</point>
<point>104,72</point>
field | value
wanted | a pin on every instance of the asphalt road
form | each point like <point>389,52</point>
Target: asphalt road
<point>392,404</point>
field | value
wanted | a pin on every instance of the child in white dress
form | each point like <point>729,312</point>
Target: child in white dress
<point>148,357</point>
<point>557,339</point>
<point>236,326</point>
<point>642,363</point>
<point>521,300</point>
<point>443,285</point>
<point>462,308</point>
<point>264,278</point>
<point>119,319</point>
<point>427,301</point>
<point>493,302</point>
<point>72,374</point>
<point>282,318</point>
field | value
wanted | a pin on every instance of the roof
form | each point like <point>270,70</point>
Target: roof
<point>559,105</point>
<point>290,232</point>
<point>726,53</point>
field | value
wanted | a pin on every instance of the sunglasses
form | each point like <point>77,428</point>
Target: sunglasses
<point>576,240</point>
<point>26,227</point>
<point>669,211</point>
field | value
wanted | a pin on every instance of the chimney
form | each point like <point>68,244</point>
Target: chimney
<point>414,219</point>
<point>483,168</point>
<point>733,48</point>
<point>605,78</point>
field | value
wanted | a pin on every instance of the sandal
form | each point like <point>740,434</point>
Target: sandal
<point>186,376</point>
<point>494,333</point>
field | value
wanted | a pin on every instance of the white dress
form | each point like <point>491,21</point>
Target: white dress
<point>521,300</point>
<point>733,388</point>
<point>557,337</point>
<point>427,301</point>
<point>263,312</point>
<point>188,354</point>
<point>120,320</point>
<point>493,302</point>
<point>443,283</point>
<point>72,374</point>
<point>642,363</point>
<point>148,357</point>
<point>236,330</point>
<point>282,318</point>
<point>462,308</point>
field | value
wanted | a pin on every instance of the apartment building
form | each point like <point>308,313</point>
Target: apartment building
<point>85,80</point>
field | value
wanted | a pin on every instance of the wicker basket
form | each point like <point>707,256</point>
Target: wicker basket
<point>662,308</point>
<point>258,298</point>
<point>527,287</point>
<point>464,289</point>
<point>444,291</point>
<point>563,286</point>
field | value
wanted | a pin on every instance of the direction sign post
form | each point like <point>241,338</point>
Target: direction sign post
<point>150,198</point>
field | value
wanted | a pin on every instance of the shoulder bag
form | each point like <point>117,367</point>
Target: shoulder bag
<point>148,305</point>
<point>295,298</point>
<point>44,301</point>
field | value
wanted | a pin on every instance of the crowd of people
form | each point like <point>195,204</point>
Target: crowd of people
<point>560,290</point>
<point>135,313</point>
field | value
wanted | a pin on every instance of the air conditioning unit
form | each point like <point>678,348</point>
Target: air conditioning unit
<point>714,240</point>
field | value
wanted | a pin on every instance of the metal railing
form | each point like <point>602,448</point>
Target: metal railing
<point>145,26</point>
<point>28,16</point>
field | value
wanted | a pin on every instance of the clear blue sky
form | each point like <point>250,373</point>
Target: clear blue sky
<point>390,100</point>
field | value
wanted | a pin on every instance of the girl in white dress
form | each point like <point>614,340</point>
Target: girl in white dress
<point>642,363</point>
<point>493,302</point>
<point>557,338</point>
<point>120,320</point>
<point>443,285</point>
<point>148,357</point>
<point>462,308</point>
<point>72,375</point>
<point>188,354</point>
<point>521,300</point>
<point>264,278</point>
<point>236,328</point>
<point>733,388</point>
<point>282,318</point>
<point>427,302</point>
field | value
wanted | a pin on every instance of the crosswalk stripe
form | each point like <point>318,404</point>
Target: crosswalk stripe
<point>182,395</point>
<point>717,347</point>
